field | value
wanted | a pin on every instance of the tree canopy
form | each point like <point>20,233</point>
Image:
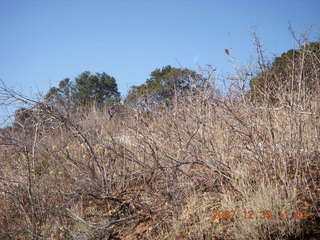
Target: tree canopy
<point>297,70</point>
<point>163,84</point>
<point>87,88</point>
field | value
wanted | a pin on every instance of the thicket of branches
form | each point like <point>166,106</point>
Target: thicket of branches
<point>68,176</point>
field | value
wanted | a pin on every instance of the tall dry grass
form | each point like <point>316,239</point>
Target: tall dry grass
<point>207,167</point>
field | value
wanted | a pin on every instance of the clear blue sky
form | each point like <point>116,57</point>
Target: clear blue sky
<point>44,41</point>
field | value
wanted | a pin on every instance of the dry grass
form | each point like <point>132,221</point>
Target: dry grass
<point>181,166</point>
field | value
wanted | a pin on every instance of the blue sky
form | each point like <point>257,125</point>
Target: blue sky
<point>44,41</point>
